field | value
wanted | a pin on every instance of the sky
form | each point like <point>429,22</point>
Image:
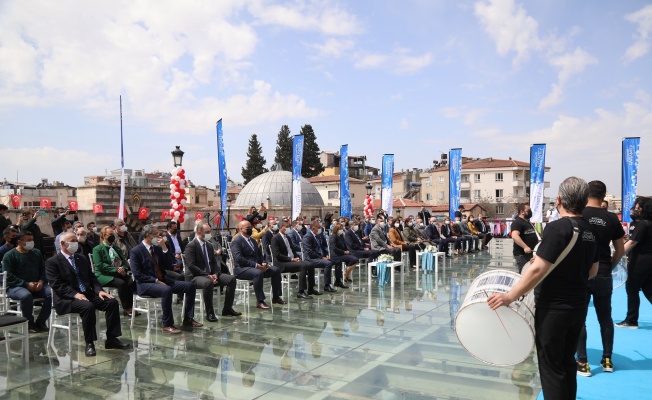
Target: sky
<point>414,78</point>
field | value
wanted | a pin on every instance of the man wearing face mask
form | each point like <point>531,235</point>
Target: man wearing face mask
<point>286,260</point>
<point>380,242</point>
<point>368,227</point>
<point>92,234</point>
<point>204,272</point>
<point>552,214</point>
<point>77,290</point>
<point>9,235</point>
<point>61,217</point>
<point>294,236</point>
<point>175,243</point>
<point>356,246</point>
<point>449,236</point>
<point>314,254</point>
<point>84,247</point>
<point>420,230</point>
<point>125,241</point>
<point>149,261</point>
<point>524,235</point>
<point>424,215</point>
<point>250,266</point>
<point>266,240</point>
<point>26,281</point>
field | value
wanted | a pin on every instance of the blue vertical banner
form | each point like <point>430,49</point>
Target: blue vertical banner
<point>631,148</point>
<point>297,161</point>
<point>386,195</point>
<point>454,180</point>
<point>345,194</point>
<point>221,164</point>
<point>537,181</point>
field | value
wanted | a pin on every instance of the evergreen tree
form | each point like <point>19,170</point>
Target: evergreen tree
<point>255,161</point>
<point>311,164</point>
<point>284,148</point>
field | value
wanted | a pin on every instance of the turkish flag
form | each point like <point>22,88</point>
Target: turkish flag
<point>165,215</point>
<point>16,200</point>
<point>198,216</point>
<point>240,217</point>
<point>124,214</point>
<point>143,212</point>
<point>46,203</point>
<point>97,208</point>
<point>217,220</point>
<point>72,204</point>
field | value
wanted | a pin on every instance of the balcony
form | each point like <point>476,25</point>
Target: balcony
<point>517,183</point>
<point>466,185</point>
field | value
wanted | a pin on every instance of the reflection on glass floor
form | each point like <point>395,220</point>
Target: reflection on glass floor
<point>368,343</point>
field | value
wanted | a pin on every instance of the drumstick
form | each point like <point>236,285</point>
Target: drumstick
<point>499,319</point>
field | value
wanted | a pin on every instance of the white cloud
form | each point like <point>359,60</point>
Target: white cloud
<point>643,19</point>
<point>467,115</point>
<point>333,48</point>
<point>405,124</point>
<point>513,30</point>
<point>400,61</point>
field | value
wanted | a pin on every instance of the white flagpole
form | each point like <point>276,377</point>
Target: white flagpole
<point>122,175</point>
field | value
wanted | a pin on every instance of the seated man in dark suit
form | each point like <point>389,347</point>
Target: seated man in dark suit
<point>77,290</point>
<point>294,236</point>
<point>355,244</point>
<point>249,265</point>
<point>286,260</point>
<point>203,271</point>
<point>266,240</point>
<point>148,264</point>
<point>313,254</point>
<point>483,227</point>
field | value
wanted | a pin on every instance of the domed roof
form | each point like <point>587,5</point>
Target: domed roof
<point>278,186</point>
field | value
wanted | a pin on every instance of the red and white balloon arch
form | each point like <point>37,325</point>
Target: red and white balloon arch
<point>178,195</point>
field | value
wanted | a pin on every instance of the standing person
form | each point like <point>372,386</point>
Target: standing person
<point>640,267</point>
<point>560,299</point>
<point>424,215</point>
<point>58,222</point>
<point>524,235</point>
<point>607,229</point>
<point>29,224</point>
<point>552,214</point>
<point>78,291</point>
<point>260,214</point>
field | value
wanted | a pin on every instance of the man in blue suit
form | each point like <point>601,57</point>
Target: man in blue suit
<point>294,236</point>
<point>250,266</point>
<point>148,265</point>
<point>314,254</point>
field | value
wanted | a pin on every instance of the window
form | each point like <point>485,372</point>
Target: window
<point>516,192</point>
<point>476,178</point>
<point>465,178</point>
<point>499,176</point>
<point>441,195</point>
<point>428,196</point>
<point>442,179</point>
<point>515,176</point>
<point>499,194</point>
<point>500,209</point>
<point>465,193</point>
<point>476,194</point>
<point>196,199</point>
<point>332,194</point>
<point>352,195</point>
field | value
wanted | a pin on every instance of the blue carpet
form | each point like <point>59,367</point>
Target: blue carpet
<point>632,356</point>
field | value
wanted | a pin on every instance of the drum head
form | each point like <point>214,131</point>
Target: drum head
<point>481,333</point>
<point>619,274</point>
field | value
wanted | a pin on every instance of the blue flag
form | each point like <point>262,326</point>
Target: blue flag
<point>345,195</point>
<point>454,180</point>
<point>537,182</point>
<point>631,148</point>
<point>221,163</point>
<point>297,161</point>
<point>386,195</point>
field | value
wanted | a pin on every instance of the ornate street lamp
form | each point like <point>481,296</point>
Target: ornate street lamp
<point>177,155</point>
<point>369,188</point>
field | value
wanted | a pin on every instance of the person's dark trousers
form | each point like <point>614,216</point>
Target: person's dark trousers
<point>256,276</point>
<point>305,270</point>
<point>469,240</point>
<point>86,311</point>
<point>328,273</point>
<point>229,282</point>
<point>411,250</point>
<point>368,254</point>
<point>321,263</point>
<point>26,299</point>
<point>165,292</point>
<point>556,337</point>
<point>347,259</point>
<point>639,278</point>
<point>177,276</point>
<point>487,238</point>
<point>126,286</point>
<point>600,288</point>
<point>395,252</point>
<point>521,261</point>
<point>206,285</point>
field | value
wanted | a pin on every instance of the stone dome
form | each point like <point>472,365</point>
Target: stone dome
<point>278,186</point>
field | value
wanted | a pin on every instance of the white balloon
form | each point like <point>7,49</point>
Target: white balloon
<point>182,186</point>
<point>171,211</point>
<point>176,195</point>
<point>176,214</point>
<point>183,201</point>
<point>172,186</point>
<point>176,178</point>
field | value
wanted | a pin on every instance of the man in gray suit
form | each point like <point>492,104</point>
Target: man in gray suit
<point>380,242</point>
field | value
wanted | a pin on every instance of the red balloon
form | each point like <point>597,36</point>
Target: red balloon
<point>181,219</point>
<point>182,171</point>
<point>171,196</point>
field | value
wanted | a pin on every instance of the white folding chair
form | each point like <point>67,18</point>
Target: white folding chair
<point>105,288</point>
<point>317,270</point>
<point>150,302</point>
<point>8,322</point>
<point>199,295</point>
<point>285,276</point>
<point>242,286</point>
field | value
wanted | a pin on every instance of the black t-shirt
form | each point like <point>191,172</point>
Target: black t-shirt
<point>643,236</point>
<point>606,227</point>
<point>565,287</point>
<point>528,235</point>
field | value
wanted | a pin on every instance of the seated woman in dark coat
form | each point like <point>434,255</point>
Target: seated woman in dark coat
<point>340,254</point>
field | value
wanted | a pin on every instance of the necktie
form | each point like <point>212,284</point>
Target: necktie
<point>82,287</point>
<point>287,244</point>
<point>159,271</point>
<point>208,264</point>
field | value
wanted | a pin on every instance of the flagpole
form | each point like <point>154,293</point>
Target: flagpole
<point>122,173</point>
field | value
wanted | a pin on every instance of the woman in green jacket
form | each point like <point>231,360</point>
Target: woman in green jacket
<point>112,269</point>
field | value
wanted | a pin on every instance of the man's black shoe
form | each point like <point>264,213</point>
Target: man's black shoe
<point>302,295</point>
<point>90,350</point>
<point>340,284</point>
<point>211,318</point>
<point>116,343</point>
<point>314,292</point>
<point>329,288</point>
<point>42,327</point>
<point>231,313</point>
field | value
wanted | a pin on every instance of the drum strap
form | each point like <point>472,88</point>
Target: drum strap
<point>569,247</point>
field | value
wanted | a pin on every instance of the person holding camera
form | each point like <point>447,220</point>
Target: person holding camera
<point>27,222</point>
<point>58,222</point>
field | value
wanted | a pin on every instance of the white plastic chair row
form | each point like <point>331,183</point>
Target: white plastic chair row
<point>242,286</point>
<point>285,276</point>
<point>8,322</point>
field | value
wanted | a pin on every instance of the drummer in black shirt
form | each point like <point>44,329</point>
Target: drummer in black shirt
<point>560,299</point>
<point>524,235</point>
<point>607,229</point>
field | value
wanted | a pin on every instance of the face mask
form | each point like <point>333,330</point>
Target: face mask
<point>471,219</point>
<point>72,247</point>
<point>355,228</point>
<point>319,231</point>
<point>13,241</point>
<point>155,241</point>
<point>81,239</point>
<point>340,232</point>
<point>207,237</point>
<point>94,229</point>
<point>249,231</point>
<point>528,215</point>
<point>275,227</point>
<point>29,245</point>
<point>447,222</point>
<point>123,228</point>
<point>635,214</point>
<point>396,225</point>
<point>164,239</point>
<point>382,224</point>
<point>69,230</point>
<point>410,223</point>
<point>110,239</point>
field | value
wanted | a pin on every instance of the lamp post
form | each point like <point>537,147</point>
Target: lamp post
<point>228,214</point>
<point>369,188</point>
<point>177,156</point>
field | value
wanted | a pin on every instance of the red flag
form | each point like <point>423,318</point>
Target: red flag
<point>118,211</point>
<point>46,203</point>
<point>198,216</point>
<point>16,200</point>
<point>72,204</point>
<point>217,219</point>
<point>240,217</point>
<point>97,208</point>
<point>165,215</point>
<point>143,212</point>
